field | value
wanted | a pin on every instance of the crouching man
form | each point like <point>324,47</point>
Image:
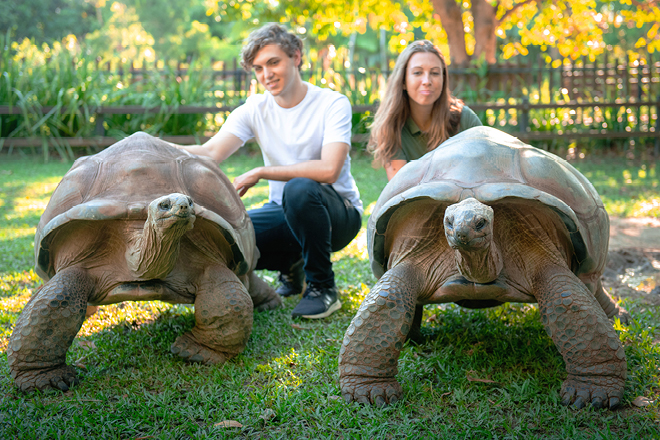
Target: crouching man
<point>304,133</point>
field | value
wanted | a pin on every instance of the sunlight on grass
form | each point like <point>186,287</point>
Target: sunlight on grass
<point>133,313</point>
<point>11,233</point>
<point>647,208</point>
<point>280,370</point>
<point>356,248</point>
<point>15,291</point>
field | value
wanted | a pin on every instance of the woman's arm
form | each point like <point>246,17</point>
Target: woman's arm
<point>393,166</point>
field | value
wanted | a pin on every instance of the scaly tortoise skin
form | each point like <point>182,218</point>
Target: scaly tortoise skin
<point>141,220</point>
<point>482,220</point>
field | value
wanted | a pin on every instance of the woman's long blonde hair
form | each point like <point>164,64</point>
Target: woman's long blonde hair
<point>394,111</point>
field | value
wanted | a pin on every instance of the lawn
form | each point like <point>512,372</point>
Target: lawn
<point>484,374</point>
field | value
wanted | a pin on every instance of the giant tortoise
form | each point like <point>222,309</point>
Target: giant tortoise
<point>141,220</point>
<point>481,220</point>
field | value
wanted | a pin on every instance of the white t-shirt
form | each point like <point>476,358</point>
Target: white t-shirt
<point>292,135</point>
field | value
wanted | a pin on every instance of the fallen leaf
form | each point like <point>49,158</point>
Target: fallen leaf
<point>79,362</point>
<point>641,401</point>
<point>334,398</point>
<point>445,394</point>
<point>298,327</point>
<point>475,379</point>
<point>268,415</point>
<point>90,311</point>
<point>87,345</point>
<point>228,424</point>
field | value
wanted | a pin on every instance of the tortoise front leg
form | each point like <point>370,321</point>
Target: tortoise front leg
<point>45,330</point>
<point>595,360</point>
<point>370,351</point>
<point>223,315</point>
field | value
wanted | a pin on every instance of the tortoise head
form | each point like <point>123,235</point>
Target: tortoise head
<point>469,231</point>
<point>172,211</point>
<point>152,252</point>
<point>468,224</point>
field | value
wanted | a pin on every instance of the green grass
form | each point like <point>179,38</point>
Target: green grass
<point>285,383</point>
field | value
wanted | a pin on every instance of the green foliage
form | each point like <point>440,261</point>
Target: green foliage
<point>46,20</point>
<point>285,384</point>
<point>75,86</point>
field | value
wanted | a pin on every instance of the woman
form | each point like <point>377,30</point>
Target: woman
<point>418,112</point>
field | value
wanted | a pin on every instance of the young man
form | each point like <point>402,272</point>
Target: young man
<point>304,133</point>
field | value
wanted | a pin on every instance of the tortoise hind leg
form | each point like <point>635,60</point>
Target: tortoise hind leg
<point>45,330</point>
<point>610,307</point>
<point>263,296</point>
<point>595,360</point>
<point>223,315</point>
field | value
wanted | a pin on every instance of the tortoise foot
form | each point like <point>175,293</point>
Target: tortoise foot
<point>271,303</point>
<point>59,378</point>
<point>263,296</point>
<point>600,391</point>
<point>622,314</point>
<point>187,348</point>
<point>367,390</point>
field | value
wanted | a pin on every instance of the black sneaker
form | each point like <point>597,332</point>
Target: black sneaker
<point>317,302</point>
<point>292,282</point>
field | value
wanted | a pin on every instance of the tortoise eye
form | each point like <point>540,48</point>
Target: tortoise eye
<point>165,205</point>
<point>480,224</point>
<point>449,224</point>
<point>190,202</point>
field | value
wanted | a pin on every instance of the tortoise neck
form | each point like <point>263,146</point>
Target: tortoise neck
<point>154,251</point>
<point>482,265</point>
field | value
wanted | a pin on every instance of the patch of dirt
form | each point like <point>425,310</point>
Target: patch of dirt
<point>633,266</point>
<point>640,233</point>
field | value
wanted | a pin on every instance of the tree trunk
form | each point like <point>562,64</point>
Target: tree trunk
<point>452,21</point>
<point>485,26</point>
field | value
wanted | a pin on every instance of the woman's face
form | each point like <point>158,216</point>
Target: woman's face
<point>423,78</point>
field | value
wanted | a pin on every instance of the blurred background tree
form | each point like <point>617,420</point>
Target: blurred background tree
<point>464,29</point>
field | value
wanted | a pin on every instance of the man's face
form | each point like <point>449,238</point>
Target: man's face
<point>274,69</point>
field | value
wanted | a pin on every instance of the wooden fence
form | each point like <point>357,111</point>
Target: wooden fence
<point>517,120</point>
<point>606,99</point>
<point>605,79</point>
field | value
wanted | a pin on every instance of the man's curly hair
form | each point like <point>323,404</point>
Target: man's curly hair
<point>270,34</point>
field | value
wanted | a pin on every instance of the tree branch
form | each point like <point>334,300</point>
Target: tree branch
<point>646,5</point>
<point>516,6</point>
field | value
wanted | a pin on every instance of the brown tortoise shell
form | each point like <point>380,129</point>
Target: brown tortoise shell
<point>121,181</point>
<point>494,167</point>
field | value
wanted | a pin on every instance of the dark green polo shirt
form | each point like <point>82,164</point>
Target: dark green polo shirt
<point>413,140</point>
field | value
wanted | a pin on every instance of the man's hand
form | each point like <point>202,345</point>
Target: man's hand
<point>324,170</point>
<point>218,148</point>
<point>247,180</point>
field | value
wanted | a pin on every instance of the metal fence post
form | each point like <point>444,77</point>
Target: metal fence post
<point>99,129</point>
<point>523,116</point>
<point>656,149</point>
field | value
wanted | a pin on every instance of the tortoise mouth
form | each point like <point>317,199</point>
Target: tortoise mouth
<point>472,244</point>
<point>173,219</point>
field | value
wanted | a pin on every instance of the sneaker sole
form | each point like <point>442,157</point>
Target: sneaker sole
<point>333,308</point>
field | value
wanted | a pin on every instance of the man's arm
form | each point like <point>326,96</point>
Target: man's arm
<point>218,148</point>
<point>324,170</point>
